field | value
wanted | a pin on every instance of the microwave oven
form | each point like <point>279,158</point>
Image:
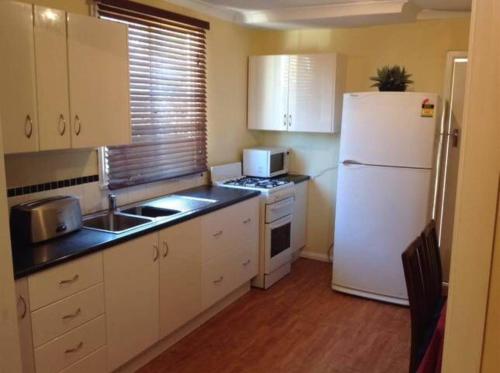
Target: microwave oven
<point>265,162</point>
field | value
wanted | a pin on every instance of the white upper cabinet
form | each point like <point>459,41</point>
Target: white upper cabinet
<point>268,93</point>
<point>64,80</point>
<point>99,82</point>
<point>300,93</point>
<point>52,78</point>
<point>17,78</point>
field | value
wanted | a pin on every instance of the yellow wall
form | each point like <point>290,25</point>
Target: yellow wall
<point>421,47</point>
<point>228,49</point>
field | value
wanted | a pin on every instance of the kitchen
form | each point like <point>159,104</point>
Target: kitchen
<point>421,46</point>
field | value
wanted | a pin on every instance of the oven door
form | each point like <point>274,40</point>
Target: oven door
<point>277,243</point>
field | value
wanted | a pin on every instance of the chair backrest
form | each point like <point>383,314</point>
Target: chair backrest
<point>413,258</point>
<point>433,276</point>
<point>422,269</point>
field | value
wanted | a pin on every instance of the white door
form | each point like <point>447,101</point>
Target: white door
<point>379,212</point>
<point>453,128</point>
<point>311,92</point>
<point>268,93</point>
<point>99,82</point>
<point>180,275</point>
<point>131,272</point>
<point>17,78</point>
<point>387,128</point>
<point>52,78</point>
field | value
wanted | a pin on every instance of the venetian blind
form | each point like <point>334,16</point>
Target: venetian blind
<point>167,55</point>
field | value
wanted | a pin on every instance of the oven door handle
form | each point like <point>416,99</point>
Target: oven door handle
<point>279,222</point>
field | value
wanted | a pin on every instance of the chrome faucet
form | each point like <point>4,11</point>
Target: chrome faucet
<point>111,202</point>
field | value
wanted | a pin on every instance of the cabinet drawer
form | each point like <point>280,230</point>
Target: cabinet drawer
<point>57,318</point>
<point>59,282</point>
<point>70,347</point>
<point>245,265</point>
<point>216,233</point>
<point>245,219</point>
<point>94,363</point>
<point>217,278</point>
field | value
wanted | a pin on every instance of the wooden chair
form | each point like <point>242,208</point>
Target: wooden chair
<point>422,269</point>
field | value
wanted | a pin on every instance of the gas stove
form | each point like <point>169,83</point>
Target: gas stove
<point>255,182</point>
<point>272,190</point>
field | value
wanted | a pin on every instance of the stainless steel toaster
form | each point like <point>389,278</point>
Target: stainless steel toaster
<point>43,219</point>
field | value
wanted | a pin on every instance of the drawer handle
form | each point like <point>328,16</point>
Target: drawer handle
<point>73,315</point>
<point>166,249</point>
<point>218,234</point>
<point>246,221</point>
<point>25,307</point>
<point>74,349</point>
<point>246,263</point>
<point>70,281</point>
<point>219,280</point>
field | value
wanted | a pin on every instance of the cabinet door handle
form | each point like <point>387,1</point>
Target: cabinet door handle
<point>78,125</point>
<point>246,263</point>
<point>284,120</point>
<point>74,349</point>
<point>166,249</point>
<point>61,125</point>
<point>25,307</point>
<point>219,280</point>
<point>70,281</point>
<point>218,234</point>
<point>289,120</point>
<point>28,126</point>
<point>246,221</point>
<point>73,315</point>
<point>156,253</point>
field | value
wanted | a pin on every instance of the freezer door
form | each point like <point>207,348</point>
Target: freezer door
<point>380,210</point>
<point>388,128</point>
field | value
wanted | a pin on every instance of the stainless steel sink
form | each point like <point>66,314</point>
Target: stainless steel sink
<point>168,206</point>
<point>115,222</point>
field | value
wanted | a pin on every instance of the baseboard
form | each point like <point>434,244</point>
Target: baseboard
<point>315,256</point>
<point>161,346</point>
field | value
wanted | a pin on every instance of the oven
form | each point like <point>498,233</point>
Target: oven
<point>277,236</point>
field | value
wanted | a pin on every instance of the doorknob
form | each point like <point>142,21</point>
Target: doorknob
<point>455,134</point>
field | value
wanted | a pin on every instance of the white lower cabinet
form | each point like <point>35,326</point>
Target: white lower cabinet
<point>131,286</point>
<point>96,313</point>
<point>299,219</point>
<point>180,275</point>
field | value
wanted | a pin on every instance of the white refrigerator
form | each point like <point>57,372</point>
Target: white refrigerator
<point>384,189</point>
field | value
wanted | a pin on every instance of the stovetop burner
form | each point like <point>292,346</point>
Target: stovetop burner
<point>256,182</point>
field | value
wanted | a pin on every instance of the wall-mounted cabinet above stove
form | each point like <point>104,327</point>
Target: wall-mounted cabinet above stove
<point>298,93</point>
<point>63,80</point>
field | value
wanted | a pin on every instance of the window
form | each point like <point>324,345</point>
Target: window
<point>167,55</point>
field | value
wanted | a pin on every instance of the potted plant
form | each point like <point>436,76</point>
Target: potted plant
<point>392,78</point>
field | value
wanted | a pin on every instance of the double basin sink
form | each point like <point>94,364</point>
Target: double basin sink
<point>134,216</point>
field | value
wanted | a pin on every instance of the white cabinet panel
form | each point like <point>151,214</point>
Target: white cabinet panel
<point>180,275</point>
<point>131,283</point>
<point>17,78</point>
<point>314,79</point>
<point>24,324</point>
<point>299,228</point>
<point>99,82</point>
<point>268,93</point>
<point>94,363</point>
<point>52,78</point>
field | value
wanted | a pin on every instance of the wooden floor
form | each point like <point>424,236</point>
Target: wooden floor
<point>299,325</point>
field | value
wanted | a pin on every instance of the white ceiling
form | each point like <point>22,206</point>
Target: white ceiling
<point>327,13</point>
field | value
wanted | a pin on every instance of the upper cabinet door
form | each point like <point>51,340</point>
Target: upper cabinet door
<point>52,78</point>
<point>313,81</point>
<point>99,82</point>
<point>17,78</point>
<point>268,93</point>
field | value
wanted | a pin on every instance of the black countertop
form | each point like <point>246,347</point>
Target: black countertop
<point>35,258</point>
<point>294,178</point>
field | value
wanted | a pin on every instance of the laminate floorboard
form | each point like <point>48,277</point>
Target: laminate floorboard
<point>298,325</point>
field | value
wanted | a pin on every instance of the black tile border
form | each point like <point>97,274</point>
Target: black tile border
<point>28,189</point>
